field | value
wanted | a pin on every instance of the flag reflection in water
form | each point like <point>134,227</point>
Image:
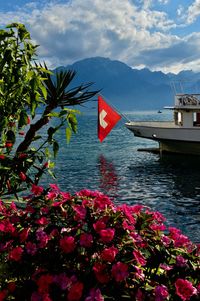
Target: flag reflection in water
<point>108,177</point>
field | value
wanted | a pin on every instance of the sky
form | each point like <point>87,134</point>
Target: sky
<point>156,34</point>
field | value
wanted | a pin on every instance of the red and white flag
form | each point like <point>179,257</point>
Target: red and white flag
<point>107,118</point>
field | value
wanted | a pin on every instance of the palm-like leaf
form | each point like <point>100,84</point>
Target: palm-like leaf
<point>58,92</point>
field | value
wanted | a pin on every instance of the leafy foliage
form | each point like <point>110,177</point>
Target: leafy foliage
<point>26,86</point>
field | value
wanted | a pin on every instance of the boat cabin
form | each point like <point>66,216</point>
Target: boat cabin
<point>187,110</point>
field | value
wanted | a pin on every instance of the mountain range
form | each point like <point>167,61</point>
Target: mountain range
<point>129,88</point>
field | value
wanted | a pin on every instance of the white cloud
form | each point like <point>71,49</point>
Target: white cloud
<point>193,12</point>
<point>163,1</point>
<point>76,29</point>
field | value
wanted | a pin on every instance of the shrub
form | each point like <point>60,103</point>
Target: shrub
<point>83,247</point>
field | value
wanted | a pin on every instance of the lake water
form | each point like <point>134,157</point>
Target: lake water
<point>170,184</point>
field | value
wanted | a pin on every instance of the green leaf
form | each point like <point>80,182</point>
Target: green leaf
<point>23,117</point>
<point>55,148</point>
<point>44,91</point>
<point>68,133</point>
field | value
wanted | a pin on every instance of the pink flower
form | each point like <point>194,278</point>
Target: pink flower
<point>95,295</point>
<point>161,293</point>
<point>127,226</point>
<point>158,217</point>
<point>54,187</point>
<point>15,254</point>
<point>137,208</point>
<point>156,227</point>
<point>185,289</point>
<point>80,212</point>
<point>139,258</point>
<point>99,225</point>
<point>166,267</point>
<point>181,240</point>
<point>181,261</point>
<point>100,273</point>
<point>42,221</point>
<point>86,240</point>
<point>36,190</point>
<point>107,235</point>
<point>127,210</point>
<point>165,240</point>
<point>109,254</point>
<point>102,201</point>
<point>120,271</point>
<point>139,273</point>
<point>75,292</point>
<point>67,244</point>
<point>51,195</point>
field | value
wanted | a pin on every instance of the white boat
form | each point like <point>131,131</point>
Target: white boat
<point>182,135</point>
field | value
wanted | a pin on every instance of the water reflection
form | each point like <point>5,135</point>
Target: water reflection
<point>108,181</point>
<point>170,184</point>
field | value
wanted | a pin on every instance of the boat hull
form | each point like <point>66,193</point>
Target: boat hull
<point>171,138</point>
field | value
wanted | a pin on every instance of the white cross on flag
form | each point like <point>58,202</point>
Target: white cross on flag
<point>107,118</point>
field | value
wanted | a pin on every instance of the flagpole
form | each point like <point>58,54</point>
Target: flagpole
<point>116,109</point>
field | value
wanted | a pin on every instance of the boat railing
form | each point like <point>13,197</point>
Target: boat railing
<point>187,100</point>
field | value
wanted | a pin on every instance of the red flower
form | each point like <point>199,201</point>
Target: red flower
<point>24,234</point>
<point>99,225</point>
<point>75,292</point>
<point>120,271</point>
<point>86,240</point>
<point>107,234</point>
<point>185,289</point>
<point>109,254</point>
<point>139,258</point>
<point>67,244</point>
<point>42,221</point>
<point>31,248</point>
<point>11,286</point>
<point>22,176</point>
<point>37,190</point>
<point>8,144</point>
<point>95,295</point>
<point>22,133</point>
<point>161,293</point>
<point>22,156</point>
<point>28,121</point>
<point>15,254</point>
<point>2,157</point>
<point>44,282</point>
<point>3,295</point>
<point>80,212</point>
<point>100,273</point>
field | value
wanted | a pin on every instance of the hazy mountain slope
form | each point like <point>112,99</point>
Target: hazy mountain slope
<point>125,87</point>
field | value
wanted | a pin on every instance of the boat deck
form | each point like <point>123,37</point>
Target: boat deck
<point>160,124</point>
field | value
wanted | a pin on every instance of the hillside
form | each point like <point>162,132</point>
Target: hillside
<point>128,88</point>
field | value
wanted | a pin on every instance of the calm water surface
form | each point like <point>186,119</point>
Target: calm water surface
<point>170,184</point>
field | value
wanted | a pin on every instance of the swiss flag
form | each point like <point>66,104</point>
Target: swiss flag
<point>107,118</point>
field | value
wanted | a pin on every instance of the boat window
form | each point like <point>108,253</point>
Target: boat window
<point>178,118</point>
<point>196,119</point>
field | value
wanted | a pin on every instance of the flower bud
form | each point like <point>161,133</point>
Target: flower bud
<point>22,176</point>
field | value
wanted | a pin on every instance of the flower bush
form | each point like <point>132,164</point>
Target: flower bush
<point>83,247</point>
